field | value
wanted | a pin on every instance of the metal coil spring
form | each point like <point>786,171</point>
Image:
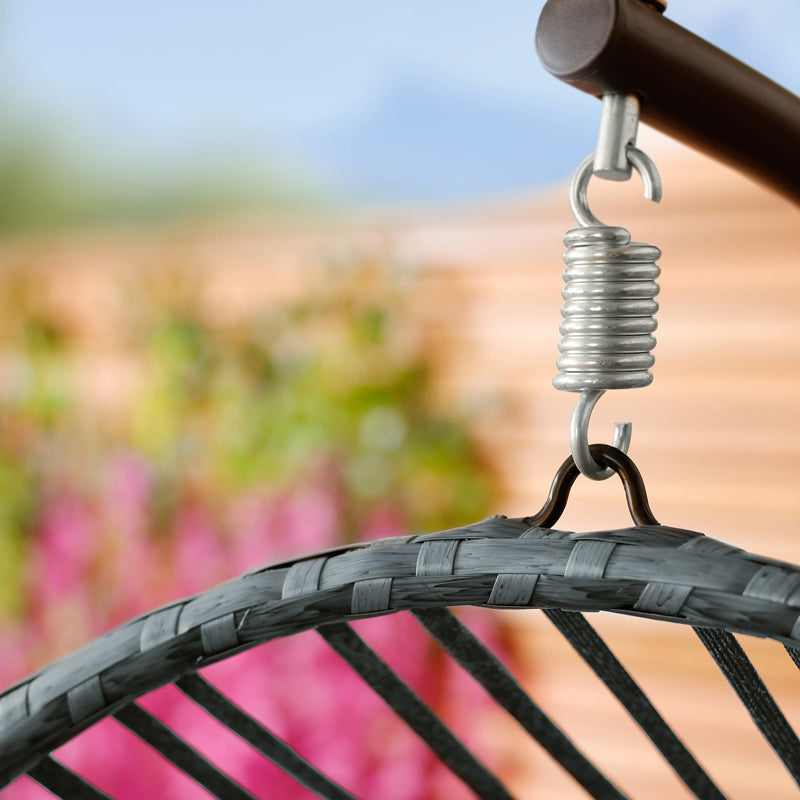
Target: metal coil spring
<point>608,311</point>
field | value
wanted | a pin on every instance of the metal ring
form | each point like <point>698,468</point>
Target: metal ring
<point>579,436</point>
<point>568,472</point>
<point>578,199</point>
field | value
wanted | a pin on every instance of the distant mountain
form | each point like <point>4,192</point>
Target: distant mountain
<point>435,142</point>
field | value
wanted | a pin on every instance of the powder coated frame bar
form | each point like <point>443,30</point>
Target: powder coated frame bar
<point>687,87</point>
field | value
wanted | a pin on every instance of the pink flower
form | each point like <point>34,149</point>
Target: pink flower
<point>128,575</point>
<point>382,521</point>
<point>66,548</point>
<point>98,563</point>
<point>199,559</point>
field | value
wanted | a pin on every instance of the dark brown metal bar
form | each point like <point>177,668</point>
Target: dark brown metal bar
<point>687,87</point>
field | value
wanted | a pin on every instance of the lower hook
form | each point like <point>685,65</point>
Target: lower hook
<point>579,436</point>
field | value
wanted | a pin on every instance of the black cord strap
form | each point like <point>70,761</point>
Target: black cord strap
<point>63,782</point>
<point>410,708</point>
<point>746,682</point>
<point>263,740</point>
<point>596,653</point>
<point>487,669</point>
<point>182,755</point>
<point>794,654</point>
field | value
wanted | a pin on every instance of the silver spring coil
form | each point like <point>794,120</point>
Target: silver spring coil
<point>608,311</point>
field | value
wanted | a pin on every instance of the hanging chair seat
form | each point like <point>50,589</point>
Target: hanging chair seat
<point>651,570</point>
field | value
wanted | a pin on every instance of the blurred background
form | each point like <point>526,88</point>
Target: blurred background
<point>278,276</point>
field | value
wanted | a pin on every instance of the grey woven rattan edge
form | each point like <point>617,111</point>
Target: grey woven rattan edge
<point>655,571</point>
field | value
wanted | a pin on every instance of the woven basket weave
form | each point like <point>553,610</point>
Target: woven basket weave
<point>656,571</point>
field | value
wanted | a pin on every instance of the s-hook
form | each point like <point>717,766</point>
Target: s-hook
<point>609,308</point>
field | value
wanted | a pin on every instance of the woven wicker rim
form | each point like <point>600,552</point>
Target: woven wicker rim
<point>655,571</point>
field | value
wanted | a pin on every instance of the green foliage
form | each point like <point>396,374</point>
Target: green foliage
<point>52,182</point>
<point>340,381</point>
<point>333,377</point>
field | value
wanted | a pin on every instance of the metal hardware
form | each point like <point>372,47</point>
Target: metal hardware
<point>689,89</point>
<point>619,124</point>
<point>610,458</point>
<point>609,307</point>
<point>578,199</point>
<point>579,436</point>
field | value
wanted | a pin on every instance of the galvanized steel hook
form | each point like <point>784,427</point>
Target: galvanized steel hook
<point>578,199</point>
<point>579,436</point>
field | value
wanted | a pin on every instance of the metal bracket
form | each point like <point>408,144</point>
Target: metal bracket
<point>619,124</point>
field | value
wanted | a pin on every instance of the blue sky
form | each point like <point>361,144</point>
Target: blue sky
<point>301,80</point>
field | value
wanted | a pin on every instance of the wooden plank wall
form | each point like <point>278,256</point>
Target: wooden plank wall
<point>716,436</point>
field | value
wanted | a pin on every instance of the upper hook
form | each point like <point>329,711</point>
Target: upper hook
<point>579,436</point>
<point>578,200</point>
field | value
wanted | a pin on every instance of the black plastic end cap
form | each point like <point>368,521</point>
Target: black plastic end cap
<point>573,34</point>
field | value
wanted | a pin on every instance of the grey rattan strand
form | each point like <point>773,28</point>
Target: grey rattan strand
<point>661,572</point>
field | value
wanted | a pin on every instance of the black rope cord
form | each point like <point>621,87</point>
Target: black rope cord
<point>756,698</point>
<point>486,668</point>
<point>63,782</point>
<point>794,654</point>
<point>596,653</point>
<point>263,740</point>
<point>413,711</point>
<point>155,733</point>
